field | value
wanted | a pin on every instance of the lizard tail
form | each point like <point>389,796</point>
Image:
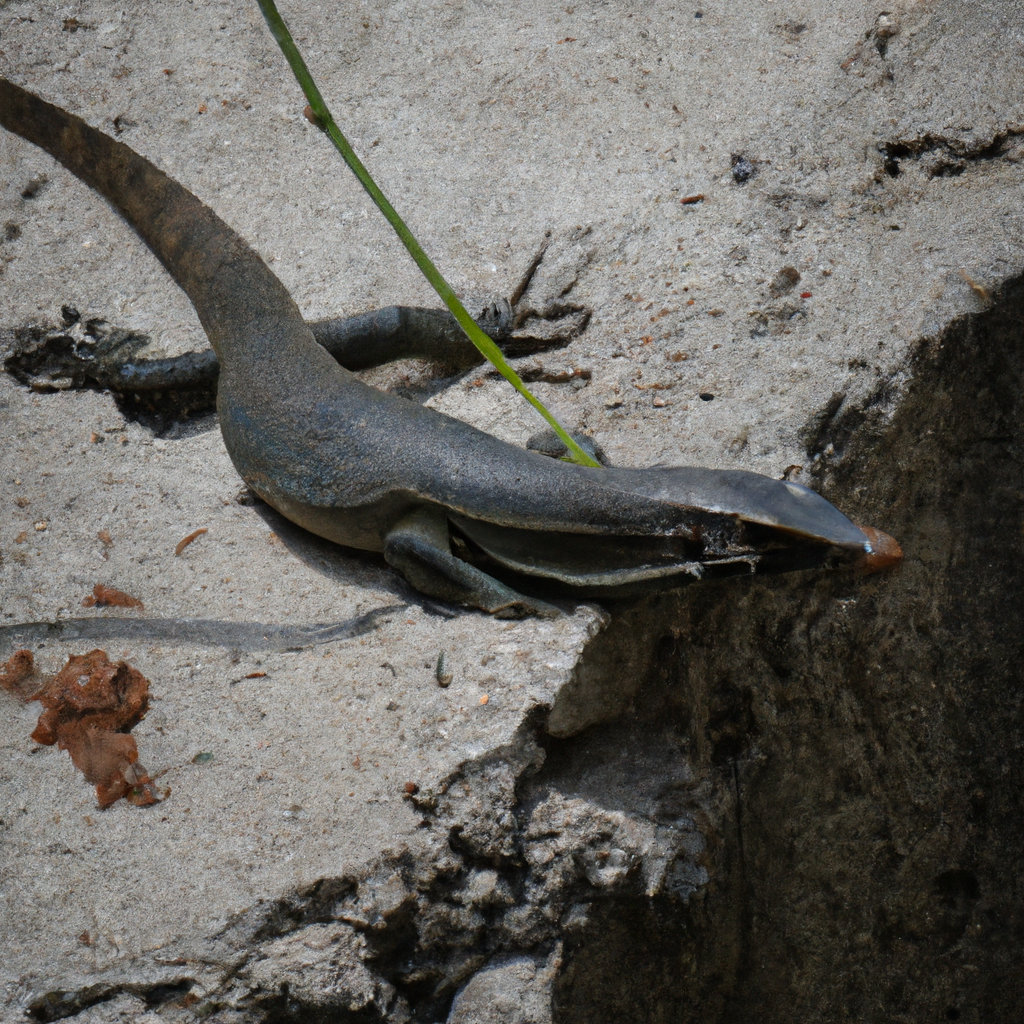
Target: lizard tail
<point>229,284</point>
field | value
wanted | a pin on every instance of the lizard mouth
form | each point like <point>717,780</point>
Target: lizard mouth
<point>880,553</point>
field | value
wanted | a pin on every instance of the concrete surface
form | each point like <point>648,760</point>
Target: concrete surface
<point>292,877</point>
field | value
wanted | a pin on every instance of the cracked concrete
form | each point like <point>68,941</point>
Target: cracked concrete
<point>795,799</point>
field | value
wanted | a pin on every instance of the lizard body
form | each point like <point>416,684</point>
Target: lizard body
<point>370,470</point>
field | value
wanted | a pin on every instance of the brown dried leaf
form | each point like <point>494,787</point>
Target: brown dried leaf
<point>92,690</point>
<point>90,707</point>
<point>99,754</point>
<point>103,595</point>
<point>185,541</point>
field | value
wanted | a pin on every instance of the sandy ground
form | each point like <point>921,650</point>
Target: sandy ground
<point>488,127</point>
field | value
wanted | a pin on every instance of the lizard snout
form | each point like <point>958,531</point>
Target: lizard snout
<point>881,552</point>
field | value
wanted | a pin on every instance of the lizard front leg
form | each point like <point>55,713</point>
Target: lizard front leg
<point>418,546</point>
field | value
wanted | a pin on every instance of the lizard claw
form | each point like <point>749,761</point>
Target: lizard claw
<point>496,319</point>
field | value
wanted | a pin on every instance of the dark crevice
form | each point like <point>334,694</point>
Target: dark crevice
<point>828,433</point>
<point>944,156</point>
<point>634,963</point>
<point>168,992</point>
<point>59,1005</point>
<point>316,904</point>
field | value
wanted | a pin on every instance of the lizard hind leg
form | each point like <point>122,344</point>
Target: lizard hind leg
<point>418,547</point>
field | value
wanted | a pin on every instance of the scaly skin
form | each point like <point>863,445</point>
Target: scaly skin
<point>373,471</point>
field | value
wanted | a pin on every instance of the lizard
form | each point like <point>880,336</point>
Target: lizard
<point>373,471</point>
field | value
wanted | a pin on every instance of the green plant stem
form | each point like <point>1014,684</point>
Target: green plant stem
<point>485,344</point>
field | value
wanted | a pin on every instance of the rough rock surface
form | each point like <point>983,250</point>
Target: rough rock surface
<point>794,799</point>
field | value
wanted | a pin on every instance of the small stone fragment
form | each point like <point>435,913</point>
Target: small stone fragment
<point>441,674</point>
<point>742,169</point>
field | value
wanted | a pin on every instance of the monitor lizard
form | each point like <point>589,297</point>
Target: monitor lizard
<point>370,470</point>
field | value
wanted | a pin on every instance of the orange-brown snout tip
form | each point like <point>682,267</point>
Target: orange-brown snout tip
<point>882,551</point>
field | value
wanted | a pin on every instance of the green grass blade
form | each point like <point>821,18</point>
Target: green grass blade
<point>485,344</point>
